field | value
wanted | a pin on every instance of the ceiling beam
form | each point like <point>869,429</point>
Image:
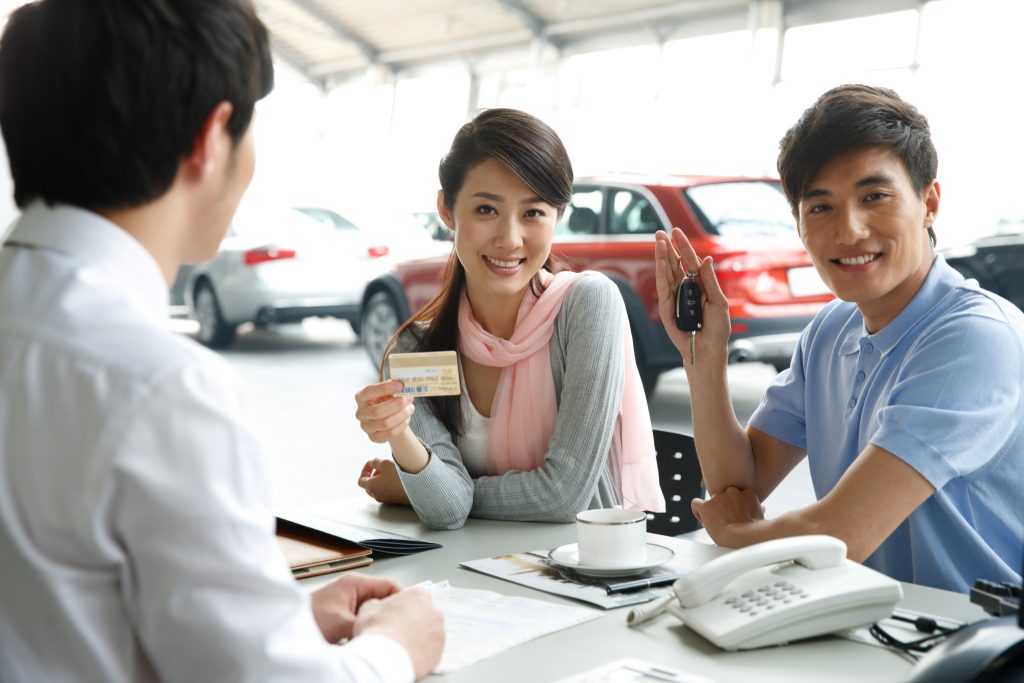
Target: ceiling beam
<point>525,14</point>
<point>432,51</point>
<point>286,54</point>
<point>678,11</point>
<point>537,26</point>
<point>368,50</point>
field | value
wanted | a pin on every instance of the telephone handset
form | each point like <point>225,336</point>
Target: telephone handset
<point>777,591</point>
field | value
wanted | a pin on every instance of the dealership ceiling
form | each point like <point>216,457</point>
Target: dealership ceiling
<point>331,40</point>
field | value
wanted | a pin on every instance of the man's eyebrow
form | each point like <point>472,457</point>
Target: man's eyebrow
<point>874,179</point>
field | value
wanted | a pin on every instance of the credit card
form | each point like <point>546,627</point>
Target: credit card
<point>432,373</point>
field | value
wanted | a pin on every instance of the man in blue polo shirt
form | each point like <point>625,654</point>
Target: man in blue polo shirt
<point>906,394</point>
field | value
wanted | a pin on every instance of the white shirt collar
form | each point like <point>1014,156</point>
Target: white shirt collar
<point>93,240</point>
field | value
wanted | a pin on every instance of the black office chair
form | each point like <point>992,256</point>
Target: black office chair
<point>582,220</point>
<point>681,482</point>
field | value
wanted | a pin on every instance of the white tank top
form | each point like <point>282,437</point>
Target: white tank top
<point>473,444</point>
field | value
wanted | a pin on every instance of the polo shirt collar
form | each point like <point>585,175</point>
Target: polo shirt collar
<point>941,279</point>
<point>94,241</point>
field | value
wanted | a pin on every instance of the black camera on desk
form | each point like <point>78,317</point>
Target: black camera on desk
<point>989,651</point>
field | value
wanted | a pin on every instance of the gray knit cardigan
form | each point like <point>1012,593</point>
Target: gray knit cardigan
<point>587,364</point>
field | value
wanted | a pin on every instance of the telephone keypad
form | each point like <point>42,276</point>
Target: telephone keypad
<point>766,597</point>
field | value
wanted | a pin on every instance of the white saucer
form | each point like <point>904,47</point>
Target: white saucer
<point>568,556</point>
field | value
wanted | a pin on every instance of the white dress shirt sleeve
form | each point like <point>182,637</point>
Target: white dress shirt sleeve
<point>208,591</point>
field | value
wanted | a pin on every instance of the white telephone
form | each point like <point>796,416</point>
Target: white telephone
<point>777,591</point>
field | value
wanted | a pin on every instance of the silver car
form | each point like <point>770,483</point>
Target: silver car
<point>278,265</point>
<point>388,234</point>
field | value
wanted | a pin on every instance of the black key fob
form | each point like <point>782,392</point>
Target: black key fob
<point>689,308</point>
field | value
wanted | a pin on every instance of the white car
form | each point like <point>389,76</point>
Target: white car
<point>387,234</point>
<point>278,265</point>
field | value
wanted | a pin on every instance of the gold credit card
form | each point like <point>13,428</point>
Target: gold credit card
<point>432,373</point>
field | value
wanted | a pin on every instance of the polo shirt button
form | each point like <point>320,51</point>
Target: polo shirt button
<point>869,347</point>
<point>860,376</point>
<point>853,402</point>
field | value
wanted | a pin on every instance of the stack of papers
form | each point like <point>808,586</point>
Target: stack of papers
<point>532,570</point>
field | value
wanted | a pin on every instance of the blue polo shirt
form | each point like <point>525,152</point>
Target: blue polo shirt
<point>942,388</point>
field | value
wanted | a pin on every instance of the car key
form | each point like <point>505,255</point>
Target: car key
<point>690,311</point>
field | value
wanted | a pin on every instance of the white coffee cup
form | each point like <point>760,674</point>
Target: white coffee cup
<point>611,538</point>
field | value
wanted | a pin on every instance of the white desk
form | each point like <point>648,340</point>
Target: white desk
<point>662,641</point>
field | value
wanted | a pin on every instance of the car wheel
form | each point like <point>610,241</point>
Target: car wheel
<point>380,320</point>
<point>214,331</point>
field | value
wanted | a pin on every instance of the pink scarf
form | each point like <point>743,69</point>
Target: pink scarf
<point>524,409</point>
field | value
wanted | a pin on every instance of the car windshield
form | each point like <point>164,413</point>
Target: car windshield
<point>748,209</point>
<point>329,218</point>
<point>269,223</point>
<point>386,221</point>
<point>376,221</point>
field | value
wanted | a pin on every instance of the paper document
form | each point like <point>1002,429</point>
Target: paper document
<point>532,570</point>
<point>634,670</point>
<point>479,623</point>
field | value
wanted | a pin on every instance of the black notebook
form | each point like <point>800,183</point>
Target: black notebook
<point>380,541</point>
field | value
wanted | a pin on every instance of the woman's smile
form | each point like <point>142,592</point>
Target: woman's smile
<point>504,266</point>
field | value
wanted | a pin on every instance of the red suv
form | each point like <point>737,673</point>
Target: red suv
<point>744,223</point>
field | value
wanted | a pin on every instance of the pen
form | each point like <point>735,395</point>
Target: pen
<point>638,584</point>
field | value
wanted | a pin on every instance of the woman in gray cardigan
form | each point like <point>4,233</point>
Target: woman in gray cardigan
<point>552,417</point>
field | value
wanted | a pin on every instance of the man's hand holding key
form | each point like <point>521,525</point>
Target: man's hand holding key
<point>697,330</point>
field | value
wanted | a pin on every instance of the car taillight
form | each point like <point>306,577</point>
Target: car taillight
<point>754,281</point>
<point>378,251</point>
<point>256,256</point>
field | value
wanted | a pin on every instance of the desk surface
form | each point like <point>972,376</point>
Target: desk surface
<point>661,641</point>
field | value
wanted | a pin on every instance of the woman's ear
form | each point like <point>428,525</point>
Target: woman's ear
<point>444,212</point>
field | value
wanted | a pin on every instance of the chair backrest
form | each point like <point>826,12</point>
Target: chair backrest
<point>583,220</point>
<point>681,482</point>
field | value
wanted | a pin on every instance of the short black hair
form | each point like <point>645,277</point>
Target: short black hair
<point>850,117</point>
<point>101,100</point>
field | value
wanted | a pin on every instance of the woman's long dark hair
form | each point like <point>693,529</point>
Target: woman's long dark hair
<point>534,152</point>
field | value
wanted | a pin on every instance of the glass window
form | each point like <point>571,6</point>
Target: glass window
<point>745,208</point>
<point>633,214</point>
<point>836,51</point>
<point>583,215</point>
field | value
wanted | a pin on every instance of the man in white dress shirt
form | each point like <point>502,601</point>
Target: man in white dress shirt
<point>136,537</point>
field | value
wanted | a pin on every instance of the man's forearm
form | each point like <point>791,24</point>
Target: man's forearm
<point>723,448</point>
<point>872,498</point>
<point>794,523</point>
